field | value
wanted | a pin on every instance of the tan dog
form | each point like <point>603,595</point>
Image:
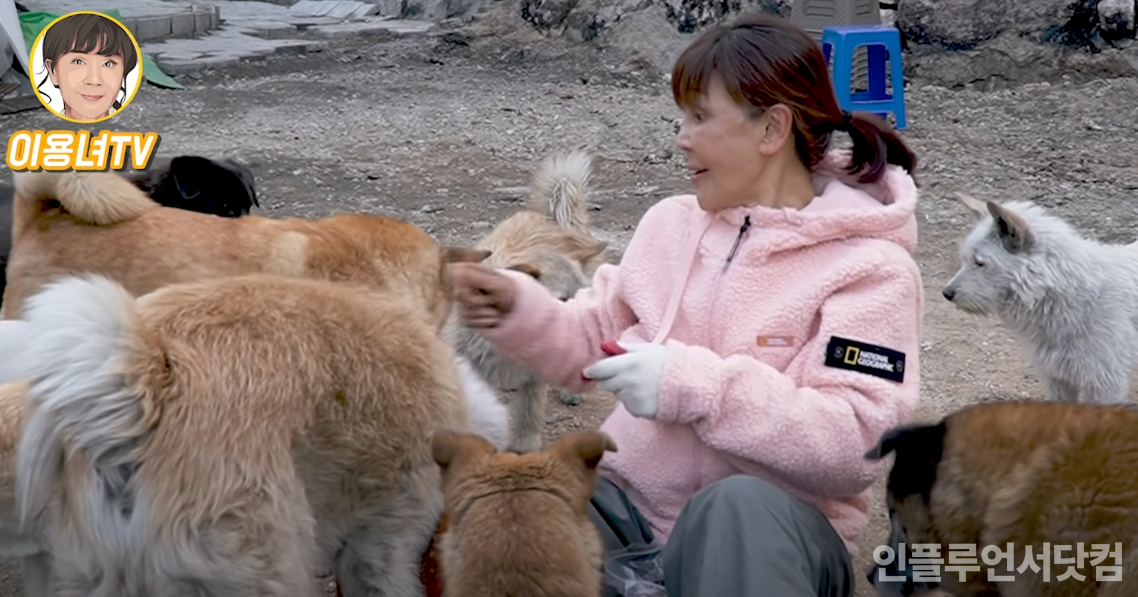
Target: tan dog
<point>1023,473</point>
<point>550,240</point>
<point>27,543</point>
<point>234,436</point>
<point>518,524</point>
<point>99,222</point>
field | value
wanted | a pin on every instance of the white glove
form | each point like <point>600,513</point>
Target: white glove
<point>633,377</point>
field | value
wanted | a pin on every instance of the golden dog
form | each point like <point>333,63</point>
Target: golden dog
<point>518,524</point>
<point>233,436</point>
<point>1058,479</point>
<point>550,240</point>
<point>99,222</point>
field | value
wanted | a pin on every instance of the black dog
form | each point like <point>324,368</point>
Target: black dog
<point>223,188</point>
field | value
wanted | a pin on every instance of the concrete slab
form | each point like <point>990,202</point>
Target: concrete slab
<point>148,20</point>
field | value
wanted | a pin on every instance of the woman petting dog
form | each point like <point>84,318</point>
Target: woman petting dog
<point>766,328</point>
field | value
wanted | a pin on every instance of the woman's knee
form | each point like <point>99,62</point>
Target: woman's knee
<point>745,490</point>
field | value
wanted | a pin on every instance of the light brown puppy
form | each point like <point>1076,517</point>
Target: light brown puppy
<point>550,240</point>
<point>233,436</point>
<point>518,524</point>
<point>99,222</point>
<point>29,544</point>
<point>1020,472</point>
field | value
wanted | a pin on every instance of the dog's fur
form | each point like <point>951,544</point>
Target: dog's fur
<point>1020,472</point>
<point>519,524</point>
<point>549,239</point>
<point>126,236</point>
<point>28,543</point>
<point>1070,302</point>
<point>219,187</point>
<point>222,187</point>
<point>232,437</point>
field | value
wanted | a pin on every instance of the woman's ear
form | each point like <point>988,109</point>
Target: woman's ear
<point>50,65</point>
<point>776,129</point>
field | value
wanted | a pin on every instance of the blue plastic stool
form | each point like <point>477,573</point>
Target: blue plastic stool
<point>880,40</point>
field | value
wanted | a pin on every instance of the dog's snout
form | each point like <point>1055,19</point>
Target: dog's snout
<point>948,292</point>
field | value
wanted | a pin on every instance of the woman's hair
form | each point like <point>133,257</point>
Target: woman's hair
<point>763,60</point>
<point>88,32</point>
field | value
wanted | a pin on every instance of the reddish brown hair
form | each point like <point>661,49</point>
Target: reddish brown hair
<point>763,60</point>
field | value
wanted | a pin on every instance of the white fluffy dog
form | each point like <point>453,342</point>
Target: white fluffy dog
<point>1071,302</point>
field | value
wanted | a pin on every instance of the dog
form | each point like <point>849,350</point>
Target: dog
<point>1032,474</point>
<point>27,542</point>
<point>233,436</point>
<point>549,240</point>
<point>223,188</point>
<point>518,524</point>
<point>128,237</point>
<point>1070,302</point>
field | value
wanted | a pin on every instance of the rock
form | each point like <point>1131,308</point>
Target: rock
<point>648,40</point>
<point>584,19</point>
<point>964,24</point>
<point>1116,19</point>
<point>1015,60</point>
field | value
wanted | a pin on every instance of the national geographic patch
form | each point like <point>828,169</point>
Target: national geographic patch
<point>843,353</point>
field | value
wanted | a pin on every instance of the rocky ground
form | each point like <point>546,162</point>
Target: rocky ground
<point>445,132</point>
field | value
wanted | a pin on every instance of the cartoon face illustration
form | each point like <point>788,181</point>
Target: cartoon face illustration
<point>88,58</point>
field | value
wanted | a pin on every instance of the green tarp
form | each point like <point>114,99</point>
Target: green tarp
<point>32,23</point>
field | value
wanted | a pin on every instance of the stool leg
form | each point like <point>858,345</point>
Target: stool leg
<point>876,58</point>
<point>898,83</point>
<point>843,66</point>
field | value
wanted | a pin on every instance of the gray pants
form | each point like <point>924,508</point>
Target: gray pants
<point>741,537</point>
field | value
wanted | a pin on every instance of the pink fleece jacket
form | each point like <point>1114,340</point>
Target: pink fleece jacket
<point>746,388</point>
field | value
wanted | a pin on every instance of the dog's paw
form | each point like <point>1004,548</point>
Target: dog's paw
<point>570,399</point>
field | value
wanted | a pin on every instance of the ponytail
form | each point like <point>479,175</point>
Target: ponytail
<point>875,145</point>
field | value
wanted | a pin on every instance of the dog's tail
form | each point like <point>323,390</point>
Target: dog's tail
<point>99,198</point>
<point>92,370</point>
<point>560,189</point>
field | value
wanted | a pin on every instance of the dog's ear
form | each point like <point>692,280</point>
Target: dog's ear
<point>528,269</point>
<point>447,446</point>
<point>586,448</point>
<point>1014,233</point>
<point>921,437</point>
<point>975,205</point>
<point>464,255</point>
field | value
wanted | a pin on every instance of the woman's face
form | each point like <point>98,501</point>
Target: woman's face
<point>722,145</point>
<point>88,82</point>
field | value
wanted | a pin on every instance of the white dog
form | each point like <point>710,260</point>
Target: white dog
<point>1071,302</point>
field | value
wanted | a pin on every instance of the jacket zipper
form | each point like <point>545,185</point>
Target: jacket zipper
<point>738,239</point>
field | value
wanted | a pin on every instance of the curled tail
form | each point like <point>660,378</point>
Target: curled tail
<point>560,189</point>
<point>99,198</point>
<point>91,367</point>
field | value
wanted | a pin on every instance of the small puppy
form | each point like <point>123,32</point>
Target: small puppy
<point>27,542</point>
<point>1070,302</point>
<point>1053,478</point>
<point>518,524</point>
<point>549,240</point>
<point>222,188</point>
<point>233,436</point>
<point>128,237</point>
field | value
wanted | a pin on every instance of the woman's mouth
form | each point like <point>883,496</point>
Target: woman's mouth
<point>698,173</point>
<point>91,98</point>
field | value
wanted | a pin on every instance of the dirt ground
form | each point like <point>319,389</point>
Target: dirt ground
<point>446,134</point>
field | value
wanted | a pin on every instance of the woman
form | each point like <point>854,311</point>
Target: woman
<point>771,323</point>
<point>88,58</point>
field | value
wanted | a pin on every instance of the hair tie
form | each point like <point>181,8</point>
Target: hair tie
<point>847,121</point>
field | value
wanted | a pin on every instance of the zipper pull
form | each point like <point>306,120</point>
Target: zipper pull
<point>738,239</point>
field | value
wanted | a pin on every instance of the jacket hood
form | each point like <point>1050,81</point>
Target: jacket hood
<point>842,208</point>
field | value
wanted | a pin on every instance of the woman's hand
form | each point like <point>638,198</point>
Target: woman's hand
<point>485,296</point>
